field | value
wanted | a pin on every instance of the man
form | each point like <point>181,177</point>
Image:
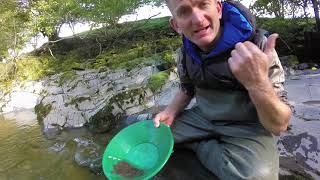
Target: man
<point>237,80</point>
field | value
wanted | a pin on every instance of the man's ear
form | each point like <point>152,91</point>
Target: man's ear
<point>174,25</point>
<point>219,8</point>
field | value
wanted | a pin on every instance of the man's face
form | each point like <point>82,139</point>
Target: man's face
<point>198,20</point>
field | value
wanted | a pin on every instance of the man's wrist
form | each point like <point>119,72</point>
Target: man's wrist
<point>262,86</point>
<point>170,111</point>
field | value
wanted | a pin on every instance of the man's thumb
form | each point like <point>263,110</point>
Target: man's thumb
<point>271,43</point>
<point>156,121</point>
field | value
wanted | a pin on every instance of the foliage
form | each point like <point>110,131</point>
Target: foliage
<point>66,76</point>
<point>291,33</point>
<point>26,68</point>
<point>157,80</point>
<point>273,7</point>
<point>14,20</point>
<point>286,8</point>
<point>49,16</point>
<point>130,45</point>
<point>22,19</point>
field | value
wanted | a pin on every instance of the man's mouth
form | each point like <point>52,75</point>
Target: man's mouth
<point>202,30</point>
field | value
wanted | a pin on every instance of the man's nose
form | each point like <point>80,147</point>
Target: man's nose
<point>197,17</point>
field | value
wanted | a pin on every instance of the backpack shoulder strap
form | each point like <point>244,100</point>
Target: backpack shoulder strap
<point>260,38</point>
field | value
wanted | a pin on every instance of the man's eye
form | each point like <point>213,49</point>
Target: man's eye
<point>184,12</point>
<point>204,4</point>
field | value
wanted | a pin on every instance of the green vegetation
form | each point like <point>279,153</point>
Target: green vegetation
<point>128,97</point>
<point>107,118</point>
<point>157,81</point>
<point>291,33</point>
<point>66,76</point>
<point>126,46</point>
<point>42,111</point>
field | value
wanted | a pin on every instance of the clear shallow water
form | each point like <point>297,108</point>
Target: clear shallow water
<point>25,153</point>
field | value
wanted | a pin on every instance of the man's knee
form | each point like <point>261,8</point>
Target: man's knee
<point>232,163</point>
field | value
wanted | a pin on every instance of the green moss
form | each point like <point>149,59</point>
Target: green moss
<point>42,111</point>
<point>128,97</point>
<point>157,80</point>
<point>104,120</point>
<point>67,76</point>
<point>168,57</point>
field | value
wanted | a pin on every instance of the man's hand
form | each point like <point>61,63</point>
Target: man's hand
<point>179,102</point>
<point>250,65</point>
<point>165,117</point>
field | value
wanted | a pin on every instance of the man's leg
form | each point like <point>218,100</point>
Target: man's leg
<point>242,152</point>
<point>190,126</point>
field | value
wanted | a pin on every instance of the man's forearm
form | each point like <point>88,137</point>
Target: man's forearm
<point>179,103</point>
<point>273,113</point>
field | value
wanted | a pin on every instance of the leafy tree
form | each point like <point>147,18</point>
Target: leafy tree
<point>315,4</point>
<point>14,20</point>
<point>273,7</point>
<point>49,15</point>
<point>282,8</point>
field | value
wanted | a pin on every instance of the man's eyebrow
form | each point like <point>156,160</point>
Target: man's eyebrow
<point>181,8</point>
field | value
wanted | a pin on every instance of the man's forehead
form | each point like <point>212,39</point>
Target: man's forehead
<point>174,3</point>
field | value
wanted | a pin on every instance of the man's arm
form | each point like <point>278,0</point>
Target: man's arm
<point>250,66</point>
<point>274,114</point>
<point>177,105</point>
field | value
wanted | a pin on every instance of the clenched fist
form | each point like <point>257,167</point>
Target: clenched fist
<point>250,65</point>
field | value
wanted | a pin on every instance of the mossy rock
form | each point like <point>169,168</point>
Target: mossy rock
<point>42,111</point>
<point>104,120</point>
<point>157,80</point>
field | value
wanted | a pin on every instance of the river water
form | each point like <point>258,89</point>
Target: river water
<point>26,154</point>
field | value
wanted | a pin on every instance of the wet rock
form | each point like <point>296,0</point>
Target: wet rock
<point>88,154</point>
<point>300,154</point>
<point>51,133</point>
<point>105,119</point>
<point>290,169</point>
<point>307,112</point>
<point>57,147</point>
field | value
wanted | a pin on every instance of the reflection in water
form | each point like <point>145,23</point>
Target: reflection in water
<point>25,154</point>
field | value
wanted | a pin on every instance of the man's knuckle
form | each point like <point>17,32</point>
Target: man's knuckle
<point>238,45</point>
